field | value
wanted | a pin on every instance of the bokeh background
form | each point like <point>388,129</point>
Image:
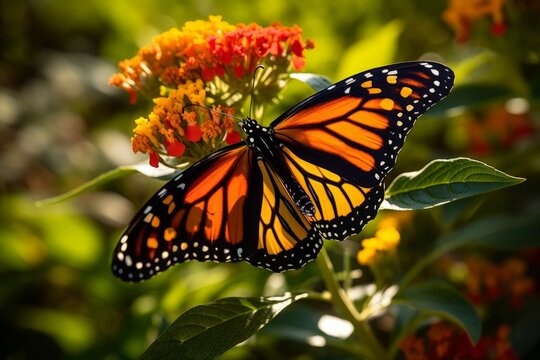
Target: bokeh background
<point>61,125</point>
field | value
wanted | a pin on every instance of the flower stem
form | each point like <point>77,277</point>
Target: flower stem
<point>369,343</point>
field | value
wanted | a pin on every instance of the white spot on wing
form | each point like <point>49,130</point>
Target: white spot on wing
<point>128,260</point>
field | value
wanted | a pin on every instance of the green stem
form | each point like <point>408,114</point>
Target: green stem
<point>423,263</point>
<point>344,305</point>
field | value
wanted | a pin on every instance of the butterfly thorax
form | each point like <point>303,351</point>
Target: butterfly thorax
<point>262,141</point>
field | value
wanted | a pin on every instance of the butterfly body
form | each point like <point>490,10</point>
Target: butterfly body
<point>317,171</point>
<point>261,140</point>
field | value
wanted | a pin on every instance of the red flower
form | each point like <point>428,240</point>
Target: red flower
<point>193,133</point>
<point>154,159</point>
<point>232,137</point>
<point>131,92</point>
<point>239,71</point>
<point>498,29</point>
<point>175,148</point>
<point>297,48</point>
<point>298,62</point>
<point>207,73</point>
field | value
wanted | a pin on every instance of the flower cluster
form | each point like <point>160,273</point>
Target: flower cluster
<point>460,14</point>
<point>498,128</point>
<point>485,281</point>
<point>443,341</point>
<point>384,242</point>
<point>198,77</point>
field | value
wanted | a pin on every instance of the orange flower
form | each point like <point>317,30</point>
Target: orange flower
<point>497,129</point>
<point>460,14</point>
<point>485,282</point>
<point>443,341</point>
<point>208,49</point>
<point>204,63</point>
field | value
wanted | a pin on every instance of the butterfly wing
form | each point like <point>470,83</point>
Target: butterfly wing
<point>208,212</point>
<point>341,142</point>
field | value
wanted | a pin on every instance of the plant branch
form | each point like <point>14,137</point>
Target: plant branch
<point>344,305</point>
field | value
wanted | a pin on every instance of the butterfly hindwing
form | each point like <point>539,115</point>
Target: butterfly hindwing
<point>287,239</point>
<point>207,213</point>
<point>342,208</point>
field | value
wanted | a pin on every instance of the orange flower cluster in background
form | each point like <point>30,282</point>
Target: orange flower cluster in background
<point>498,128</point>
<point>210,64</point>
<point>485,281</point>
<point>461,14</point>
<point>443,341</point>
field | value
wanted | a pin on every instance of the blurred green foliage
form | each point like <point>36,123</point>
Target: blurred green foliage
<point>61,124</point>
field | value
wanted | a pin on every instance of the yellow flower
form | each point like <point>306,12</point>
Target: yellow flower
<point>385,241</point>
<point>366,256</point>
<point>388,236</point>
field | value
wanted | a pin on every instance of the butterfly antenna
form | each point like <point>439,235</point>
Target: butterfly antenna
<point>259,67</point>
<point>211,110</point>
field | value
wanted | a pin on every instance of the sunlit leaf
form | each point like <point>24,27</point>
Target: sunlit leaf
<point>206,331</point>
<point>372,51</point>
<point>444,301</point>
<point>70,239</point>
<point>72,331</point>
<point>161,172</point>
<point>316,81</point>
<point>442,181</point>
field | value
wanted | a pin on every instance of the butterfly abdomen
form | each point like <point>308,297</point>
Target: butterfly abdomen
<point>299,196</point>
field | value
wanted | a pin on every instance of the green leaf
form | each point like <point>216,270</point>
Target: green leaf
<point>162,172</point>
<point>316,81</point>
<point>444,301</point>
<point>500,231</point>
<point>207,331</point>
<point>374,50</point>
<point>442,181</point>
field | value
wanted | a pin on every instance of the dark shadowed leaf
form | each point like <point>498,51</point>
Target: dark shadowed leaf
<point>468,97</point>
<point>498,231</point>
<point>501,231</point>
<point>207,331</point>
<point>442,181</point>
<point>444,301</point>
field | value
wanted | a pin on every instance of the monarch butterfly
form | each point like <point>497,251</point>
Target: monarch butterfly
<point>317,171</point>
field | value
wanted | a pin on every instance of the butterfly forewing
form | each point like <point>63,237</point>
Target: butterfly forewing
<point>357,126</point>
